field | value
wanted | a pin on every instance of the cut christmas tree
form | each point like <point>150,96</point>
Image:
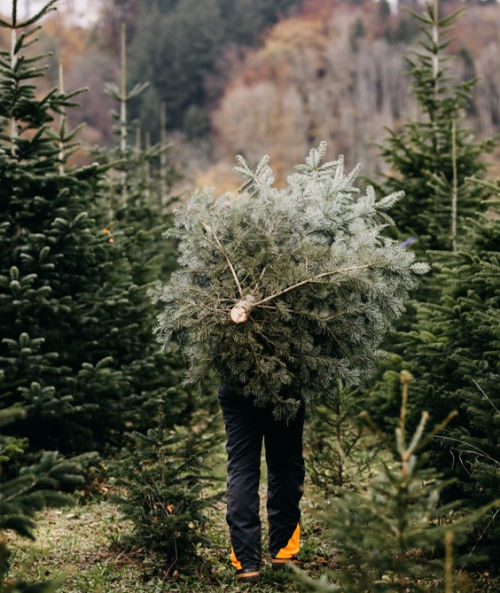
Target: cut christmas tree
<point>286,290</point>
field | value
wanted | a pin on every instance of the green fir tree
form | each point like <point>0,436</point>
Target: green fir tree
<point>390,534</point>
<point>457,339</point>
<point>140,184</point>
<point>286,290</point>
<point>431,157</point>
<point>48,246</point>
<point>24,493</point>
<point>77,346</point>
<point>452,349</point>
<point>139,209</point>
<point>169,490</point>
<point>339,456</point>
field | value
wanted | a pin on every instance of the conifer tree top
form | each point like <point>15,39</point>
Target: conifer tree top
<point>285,290</point>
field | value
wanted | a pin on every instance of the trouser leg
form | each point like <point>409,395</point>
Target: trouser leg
<point>285,464</point>
<point>244,433</point>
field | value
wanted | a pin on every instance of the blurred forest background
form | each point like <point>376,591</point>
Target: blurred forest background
<point>264,76</point>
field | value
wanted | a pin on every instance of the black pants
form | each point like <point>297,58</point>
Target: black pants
<point>246,428</point>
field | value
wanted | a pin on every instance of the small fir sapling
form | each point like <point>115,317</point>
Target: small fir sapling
<point>390,534</point>
<point>169,490</point>
<point>286,290</point>
<point>339,454</point>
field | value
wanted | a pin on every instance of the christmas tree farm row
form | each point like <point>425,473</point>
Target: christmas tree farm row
<point>80,247</point>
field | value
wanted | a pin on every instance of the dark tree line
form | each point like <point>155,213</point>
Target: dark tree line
<point>178,44</point>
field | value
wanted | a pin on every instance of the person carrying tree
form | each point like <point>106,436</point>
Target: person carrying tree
<point>283,292</point>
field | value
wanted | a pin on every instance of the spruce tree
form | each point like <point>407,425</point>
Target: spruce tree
<point>76,328</point>
<point>169,489</point>
<point>286,290</point>
<point>137,212</point>
<point>46,244</point>
<point>338,454</point>
<point>453,350</point>
<point>140,184</point>
<point>391,533</point>
<point>24,493</point>
<point>431,157</point>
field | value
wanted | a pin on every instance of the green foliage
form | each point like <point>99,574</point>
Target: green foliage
<point>77,348</point>
<point>48,244</point>
<point>339,454</point>
<point>452,349</point>
<point>457,340</point>
<point>431,158</point>
<point>390,534</point>
<point>307,267</point>
<point>168,491</point>
<point>21,495</point>
<point>136,210</point>
<point>450,342</point>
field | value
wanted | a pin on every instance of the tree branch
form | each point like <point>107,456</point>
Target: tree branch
<point>219,245</point>
<point>308,281</point>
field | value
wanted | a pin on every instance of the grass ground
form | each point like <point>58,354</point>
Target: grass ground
<point>82,544</point>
